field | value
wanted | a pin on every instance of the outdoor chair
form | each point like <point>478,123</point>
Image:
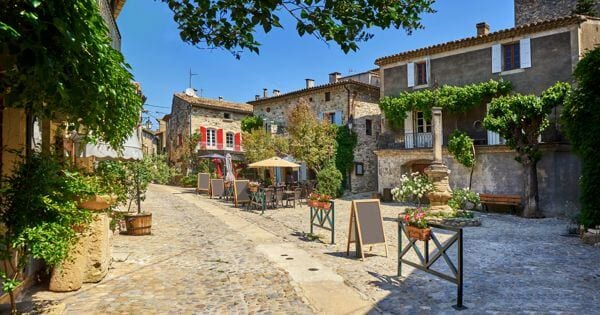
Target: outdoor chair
<point>294,197</point>
<point>278,197</point>
<point>268,197</point>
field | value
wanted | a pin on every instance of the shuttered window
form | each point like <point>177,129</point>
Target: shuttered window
<point>229,140</point>
<point>421,73</point>
<point>211,138</point>
<point>511,56</point>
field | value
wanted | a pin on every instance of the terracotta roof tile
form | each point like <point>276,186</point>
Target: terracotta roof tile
<point>491,37</point>
<point>215,104</point>
<point>316,88</point>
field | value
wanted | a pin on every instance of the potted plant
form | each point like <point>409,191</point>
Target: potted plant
<point>138,178</point>
<point>313,200</point>
<point>416,225</point>
<point>324,201</point>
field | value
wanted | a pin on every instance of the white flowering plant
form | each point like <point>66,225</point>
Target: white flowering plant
<point>413,187</point>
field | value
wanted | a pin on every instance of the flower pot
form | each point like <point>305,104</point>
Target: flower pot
<point>422,234</point>
<point>326,205</point>
<point>312,203</point>
<point>138,224</point>
<point>96,202</point>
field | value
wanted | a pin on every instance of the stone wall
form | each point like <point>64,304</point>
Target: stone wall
<point>179,125</point>
<point>109,20</point>
<point>363,153</point>
<point>531,11</point>
<point>496,172</point>
<point>211,118</point>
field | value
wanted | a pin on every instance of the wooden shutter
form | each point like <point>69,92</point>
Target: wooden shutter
<point>219,138</point>
<point>525,52</point>
<point>320,116</point>
<point>496,58</point>
<point>237,142</point>
<point>338,118</point>
<point>204,136</point>
<point>410,74</point>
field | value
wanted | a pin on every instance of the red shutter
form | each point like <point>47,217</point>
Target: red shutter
<point>202,137</point>
<point>238,142</point>
<point>219,138</point>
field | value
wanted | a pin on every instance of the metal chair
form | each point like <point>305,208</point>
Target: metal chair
<point>268,197</point>
<point>278,197</point>
<point>294,197</point>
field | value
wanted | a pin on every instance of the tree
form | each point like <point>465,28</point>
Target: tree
<point>329,181</point>
<point>461,146</point>
<point>311,141</point>
<point>231,24</point>
<point>260,145</point>
<point>579,118</point>
<point>56,61</point>
<point>250,123</point>
<point>190,158</point>
<point>520,119</point>
<point>586,7</point>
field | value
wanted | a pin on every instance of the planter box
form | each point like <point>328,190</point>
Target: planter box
<point>418,233</point>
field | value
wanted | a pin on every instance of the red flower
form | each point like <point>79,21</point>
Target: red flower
<point>406,218</point>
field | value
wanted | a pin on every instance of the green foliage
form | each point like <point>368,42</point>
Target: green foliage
<point>159,168</point>
<point>579,118</point>
<point>329,181</point>
<point>463,199</point>
<point>190,180</point>
<point>520,119</point>
<point>139,175</point>
<point>586,7</point>
<point>260,145</point>
<point>113,177</point>
<point>460,145</point>
<point>231,24</point>
<point>346,141</point>
<point>189,153</point>
<point>250,123</point>
<point>416,218</point>
<point>56,59</point>
<point>454,99</point>
<point>311,140</point>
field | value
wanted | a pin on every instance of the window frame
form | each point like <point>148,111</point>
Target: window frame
<point>513,60</point>
<point>368,127</point>
<point>210,144</point>
<point>423,125</point>
<point>227,135</point>
<point>330,117</point>
<point>358,165</point>
<point>327,96</point>
<point>227,116</point>
<point>421,73</point>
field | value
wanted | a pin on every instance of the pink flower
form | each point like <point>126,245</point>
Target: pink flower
<point>406,218</point>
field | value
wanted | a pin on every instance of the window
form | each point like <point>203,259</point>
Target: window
<point>226,115</point>
<point>329,117</point>
<point>179,140</point>
<point>511,56</point>
<point>359,169</point>
<point>327,96</point>
<point>229,140</point>
<point>369,127</point>
<point>310,99</point>
<point>421,73</point>
<point>423,125</point>
<point>211,138</point>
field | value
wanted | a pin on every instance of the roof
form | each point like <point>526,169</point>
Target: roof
<point>215,104</point>
<point>482,39</point>
<point>117,7</point>
<point>316,88</point>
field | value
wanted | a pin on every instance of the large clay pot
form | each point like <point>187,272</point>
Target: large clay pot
<point>96,202</point>
<point>138,224</point>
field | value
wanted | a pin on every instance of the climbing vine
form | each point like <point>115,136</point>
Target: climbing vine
<point>344,155</point>
<point>455,99</point>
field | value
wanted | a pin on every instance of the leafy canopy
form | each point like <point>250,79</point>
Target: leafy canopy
<point>231,24</point>
<point>250,123</point>
<point>460,145</point>
<point>579,118</point>
<point>455,99</point>
<point>260,145</point>
<point>311,140</point>
<point>56,58</point>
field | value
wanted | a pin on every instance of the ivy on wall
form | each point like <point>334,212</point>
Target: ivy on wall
<point>454,99</point>
<point>344,154</point>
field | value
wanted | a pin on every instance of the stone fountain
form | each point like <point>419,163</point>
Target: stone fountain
<point>438,172</point>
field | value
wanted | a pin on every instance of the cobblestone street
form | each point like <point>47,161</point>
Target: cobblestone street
<point>205,256</point>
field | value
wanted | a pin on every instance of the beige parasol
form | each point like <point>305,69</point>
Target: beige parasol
<point>273,162</point>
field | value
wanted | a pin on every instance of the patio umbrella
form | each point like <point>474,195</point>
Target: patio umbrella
<point>273,162</point>
<point>229,166</point>
<point>213,157</point>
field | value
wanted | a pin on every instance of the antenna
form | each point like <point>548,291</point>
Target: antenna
<point>190,78</point>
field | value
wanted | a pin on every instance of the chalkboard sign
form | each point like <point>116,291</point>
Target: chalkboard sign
<point>366,226</point>
<point>217,188</point>
<point>240,191</point>
<point>203,182</point>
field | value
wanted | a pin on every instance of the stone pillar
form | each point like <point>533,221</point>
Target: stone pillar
<point>438,172</point>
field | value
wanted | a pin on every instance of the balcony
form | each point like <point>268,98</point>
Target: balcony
<point>405,141</point>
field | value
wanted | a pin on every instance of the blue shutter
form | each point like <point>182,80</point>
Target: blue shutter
<point>320,116</point>
<point>338,118</point>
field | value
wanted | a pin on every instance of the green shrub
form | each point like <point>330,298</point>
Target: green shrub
<point>159,168</point>
<point>250,123</point>
<point>190,180</point>
<point>329,181</point>
<point>461,198</point>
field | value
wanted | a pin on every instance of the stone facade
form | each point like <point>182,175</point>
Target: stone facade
<point>215,120</point>
<point>531,11</point>
<point>108,15</point>
<point>150,142</point>
<point>342,101</point>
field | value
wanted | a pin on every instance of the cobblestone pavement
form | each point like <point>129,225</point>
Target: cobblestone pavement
<point>512,264</point>
<point>193,263</point>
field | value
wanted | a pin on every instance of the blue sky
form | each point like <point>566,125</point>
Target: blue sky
<point>160,60</point>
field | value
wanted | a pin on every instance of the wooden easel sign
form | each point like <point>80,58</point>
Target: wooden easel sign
<point>366,226</point>
<point>203,183</point>
<point>240,192</point>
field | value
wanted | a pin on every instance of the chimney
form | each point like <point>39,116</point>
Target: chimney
<point>220,98</point>
<point>265,93</point>
<point>310,83</point>
<point>256,97</point>
<point>276,92</point>
<point>482,29</point>
<point>334,77</point>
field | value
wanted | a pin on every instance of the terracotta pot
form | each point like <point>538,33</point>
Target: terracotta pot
<point>418,233</point>
<point>97,202</point>
<point>312,203</point>
<point>138,224</point>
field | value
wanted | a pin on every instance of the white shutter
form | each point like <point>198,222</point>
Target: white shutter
<point>428,69</point>
<point>525,52</point>
<point>410,74</point>
<point>493,138</point>
<point>408,131</point>
<point>496,58</point>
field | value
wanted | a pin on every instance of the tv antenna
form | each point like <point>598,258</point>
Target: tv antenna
<point>190,77</point>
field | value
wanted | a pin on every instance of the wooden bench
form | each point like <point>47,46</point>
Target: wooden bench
<point>510,200</point>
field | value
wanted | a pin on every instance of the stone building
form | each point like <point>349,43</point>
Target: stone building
<point>350,101</point>
<point>150,142</point>
<point>216,120</point>
<point>532,57</point>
